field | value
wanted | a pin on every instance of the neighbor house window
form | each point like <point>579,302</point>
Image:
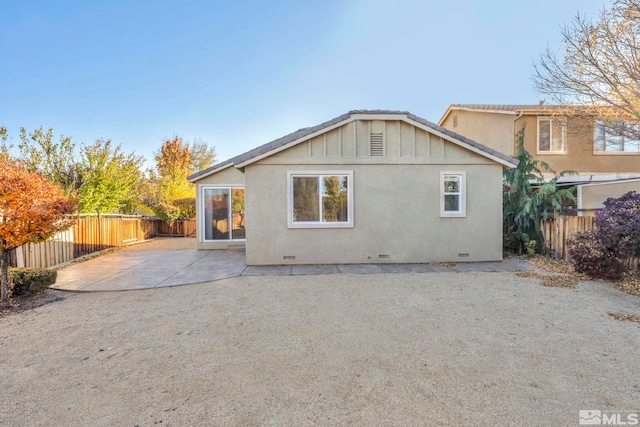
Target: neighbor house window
<point>552,135</point>
<point>453,194</point>
<point>616,137</point>
<point>223,213</point>
<point>320,199</point>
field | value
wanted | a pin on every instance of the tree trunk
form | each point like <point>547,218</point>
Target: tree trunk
<point>4,287</point>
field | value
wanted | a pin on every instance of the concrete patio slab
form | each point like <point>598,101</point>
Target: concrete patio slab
<point>267,270</point>
<point>175,261</point>
<point>361,269</point>
<point>314,269</point>
<point>409,268</point>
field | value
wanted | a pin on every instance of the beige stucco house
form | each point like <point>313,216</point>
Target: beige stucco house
<point>591,196</point>
<point>364,187</point>
<point>564,143</point>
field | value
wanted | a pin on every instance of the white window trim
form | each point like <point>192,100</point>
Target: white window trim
<point>609,153</point>
<point>201,207</point>
<point>316,173</point>
<point>564,135</point>
<point>462,213</point>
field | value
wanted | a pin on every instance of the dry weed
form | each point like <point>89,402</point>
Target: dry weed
<point>625,317</point>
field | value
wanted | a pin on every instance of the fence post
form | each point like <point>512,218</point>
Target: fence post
<point>121,233</point>
<point>99,230</point>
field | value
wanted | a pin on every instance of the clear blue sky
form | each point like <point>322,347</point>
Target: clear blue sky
<point>238,74</point>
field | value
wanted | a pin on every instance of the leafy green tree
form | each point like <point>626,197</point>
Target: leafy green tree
<point>528,197</point>
<point>110,179</point>
<point>202,155</point>
<point>55,160</point>
<point>4,135</point>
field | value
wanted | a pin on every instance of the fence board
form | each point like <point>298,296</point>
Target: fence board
<point>92,233</point>
<point>558,230</point>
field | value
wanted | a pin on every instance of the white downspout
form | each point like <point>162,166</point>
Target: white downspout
<point>520,114</point>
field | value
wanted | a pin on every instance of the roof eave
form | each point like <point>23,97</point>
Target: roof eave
<point>275,150</point>
<point>453,107</point>
<point>209,171</point>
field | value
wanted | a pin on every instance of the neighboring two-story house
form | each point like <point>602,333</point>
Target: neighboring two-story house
<point>606,163</point>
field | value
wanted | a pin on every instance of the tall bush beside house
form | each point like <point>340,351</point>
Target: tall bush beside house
<point>528,197</point>
<point>32,209</point>
<point>166,212</point>
<point>187,207</point>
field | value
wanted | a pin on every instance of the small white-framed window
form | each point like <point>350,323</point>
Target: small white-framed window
<point>552,135</point>
<point>453,194</point>
<point>222,213</point>
<point>320,199</point>
<point>616,137</point>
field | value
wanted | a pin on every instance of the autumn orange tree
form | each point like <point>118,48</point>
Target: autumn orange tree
<point>169,192</point>
<point>32,209</point>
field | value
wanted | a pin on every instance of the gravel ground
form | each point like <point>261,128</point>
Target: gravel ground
<point>392,349</point>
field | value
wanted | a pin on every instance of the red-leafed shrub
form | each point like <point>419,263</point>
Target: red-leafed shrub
<point>618,224</point>
<point>590,256</point>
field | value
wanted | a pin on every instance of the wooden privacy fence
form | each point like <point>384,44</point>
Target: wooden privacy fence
<point>559,229</point>
<point>93,233</point>
<point>179,227</point>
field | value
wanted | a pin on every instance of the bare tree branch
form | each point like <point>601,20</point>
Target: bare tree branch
<point>598,73</point>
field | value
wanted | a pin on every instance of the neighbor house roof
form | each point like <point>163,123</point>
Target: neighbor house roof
<point>304,134</point>
<point>511,109</point>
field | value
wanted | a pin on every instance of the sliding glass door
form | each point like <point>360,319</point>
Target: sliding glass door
<point>223,214</point>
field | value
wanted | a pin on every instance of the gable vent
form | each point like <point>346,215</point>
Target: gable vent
<point>376,145</point>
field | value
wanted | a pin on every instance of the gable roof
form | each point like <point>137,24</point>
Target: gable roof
<point>304,134</point>
<point>512,109</point>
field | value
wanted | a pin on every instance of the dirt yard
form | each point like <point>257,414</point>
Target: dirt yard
<point>392,349</point>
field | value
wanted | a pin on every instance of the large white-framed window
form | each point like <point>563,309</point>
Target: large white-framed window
<point>453,194</point>
<point>615,138</point>
<point>320,199</point>
<point>552,135</point>
<point>222,213</point>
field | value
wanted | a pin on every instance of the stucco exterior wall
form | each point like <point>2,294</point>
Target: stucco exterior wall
<point>591,196</point>
<point>396,201</point>
<point>579,156</point>
<point>396,213</point>
<point>229,177</point>
<point>498,131</point>
<point>491,129</point>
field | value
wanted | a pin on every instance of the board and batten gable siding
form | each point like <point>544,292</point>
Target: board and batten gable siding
<point>228,177</point>
<point>403,143</point>
<point>396,200</point>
